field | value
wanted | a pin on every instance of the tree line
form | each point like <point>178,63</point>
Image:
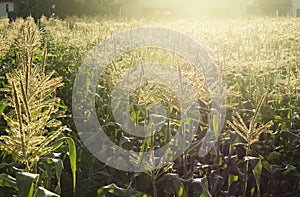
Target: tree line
<point>60,8</point>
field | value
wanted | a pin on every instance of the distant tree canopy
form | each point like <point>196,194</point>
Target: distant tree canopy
<point>60,8</point>
<point>273,2</point>
<point>64,8</point>
<point>271,7</point>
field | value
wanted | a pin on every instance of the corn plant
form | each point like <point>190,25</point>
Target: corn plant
<point>32,115</point>
<point>249,133</point>
<point>30,93</point>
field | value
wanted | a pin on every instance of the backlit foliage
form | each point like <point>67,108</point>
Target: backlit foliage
<point>31,95</point>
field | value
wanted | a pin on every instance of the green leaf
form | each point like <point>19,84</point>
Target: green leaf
<point>256,172</point>
<point>176,183</point>
<point>181,191</point>
<point>58,169</point>
<point>48,164</point>
<point>42,192</point>
<point>117,105</point>
<point>72,156</point>
<point>118,191</point>
<point>204,184</point>
<point>7,181</point>
<point>55,145</point>
<point>216,124</point>
<point>145,145</point>
<point>2,107</point>
<point>232,178</point>
<point>62,106</point>
<point>26,182</point>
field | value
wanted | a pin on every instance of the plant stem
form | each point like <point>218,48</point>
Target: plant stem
<point>184,160</point>
<point>153,174</point>
<point>153,180</point>
<point>246,171</point>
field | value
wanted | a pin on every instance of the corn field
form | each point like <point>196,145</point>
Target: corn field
<point>257,152</point>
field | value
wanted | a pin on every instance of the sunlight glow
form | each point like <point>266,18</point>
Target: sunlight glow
<point>194,8</point>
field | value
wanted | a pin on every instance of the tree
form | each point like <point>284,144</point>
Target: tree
<point>60,8</point>
<point>34,8</point>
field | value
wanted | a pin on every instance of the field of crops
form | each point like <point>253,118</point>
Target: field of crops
<point>257,152</point>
